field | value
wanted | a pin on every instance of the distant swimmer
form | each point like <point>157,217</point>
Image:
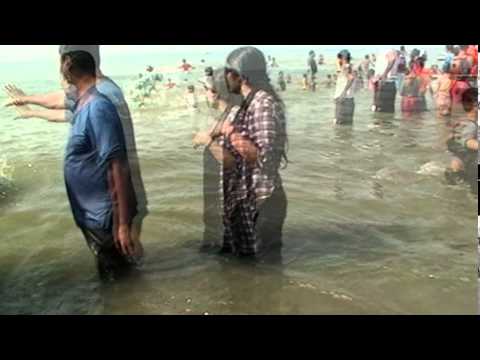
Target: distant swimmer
<point>321,60</point>
<point>186,67</point>
<point>191,98</point>
<point>170,85</point>
<point>329,82</point>
<point>274,63</point>
<point>289,79</point>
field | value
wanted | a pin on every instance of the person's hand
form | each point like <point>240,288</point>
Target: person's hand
<point>201,138</point>
<point>124,241</point>
<point>227,129</point>
<point>23,112</point>
<point>16,95</point>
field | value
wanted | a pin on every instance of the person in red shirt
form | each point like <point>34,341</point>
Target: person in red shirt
<point>186,67</point>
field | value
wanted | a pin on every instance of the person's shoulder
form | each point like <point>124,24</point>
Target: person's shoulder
<point>110,89</point>
<point>101,103</point>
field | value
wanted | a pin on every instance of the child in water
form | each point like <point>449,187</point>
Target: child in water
<point>305,82</point>
<point>191,98</point>
<point>329,82</point>
<point>281,81</point>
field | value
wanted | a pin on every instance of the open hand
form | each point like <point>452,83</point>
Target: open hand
<point>16,95</point>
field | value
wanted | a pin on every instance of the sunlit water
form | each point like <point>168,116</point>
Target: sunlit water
<point>368,230</point>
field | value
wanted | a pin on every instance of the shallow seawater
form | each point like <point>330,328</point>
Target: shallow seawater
<point>371,229</point>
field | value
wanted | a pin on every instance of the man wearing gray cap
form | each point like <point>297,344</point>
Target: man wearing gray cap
<point>58,106</point>
<point>257,205</point>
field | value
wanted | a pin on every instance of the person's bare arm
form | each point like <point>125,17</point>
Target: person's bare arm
<point>55,115</point>
<point>120,175</point>
<point>52,100</point>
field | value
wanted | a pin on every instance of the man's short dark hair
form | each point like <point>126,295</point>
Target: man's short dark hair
<point>93,50</point>
<point>78,64</point>
<point>470,99</point>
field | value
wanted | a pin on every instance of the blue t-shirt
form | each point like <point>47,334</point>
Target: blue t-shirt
<point>96,137</point>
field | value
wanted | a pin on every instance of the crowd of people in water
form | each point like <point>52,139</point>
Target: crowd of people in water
<point>246,145</point>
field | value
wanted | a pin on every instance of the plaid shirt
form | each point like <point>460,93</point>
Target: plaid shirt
<point>246,186</point>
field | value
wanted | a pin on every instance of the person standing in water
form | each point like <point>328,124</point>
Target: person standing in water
<point>255,201</point>
<point>321,60</point>
<point>186,67</point>
<point>58,107</point>
<point>344,92</point>
<point>463,143</point>
<point>191,98</point>
<point>305,82</point>
<point>97,171</point>
<point>385,82</point>
<point>218,163</point>
<point>365,65</point>
<point>312,64</point>
<point>281,81</point>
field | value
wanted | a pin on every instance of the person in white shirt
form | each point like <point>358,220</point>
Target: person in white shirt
<point>344,101</point>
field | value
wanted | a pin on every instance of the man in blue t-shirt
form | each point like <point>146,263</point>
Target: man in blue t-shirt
<point>59,107</point>
<point>96,169</point>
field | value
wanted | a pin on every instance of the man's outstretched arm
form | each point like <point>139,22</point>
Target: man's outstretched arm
<point>55,115</point>
<point>52,100</point>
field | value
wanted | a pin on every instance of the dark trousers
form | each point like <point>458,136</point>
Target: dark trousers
<point>344,110</point>
<point>110,262</point>
<point>259,231</point>
<point>384,98</point>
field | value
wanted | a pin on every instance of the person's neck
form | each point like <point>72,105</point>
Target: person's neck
<point>85,84</point>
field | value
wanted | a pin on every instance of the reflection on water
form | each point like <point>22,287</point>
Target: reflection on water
<point>371,228</point>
